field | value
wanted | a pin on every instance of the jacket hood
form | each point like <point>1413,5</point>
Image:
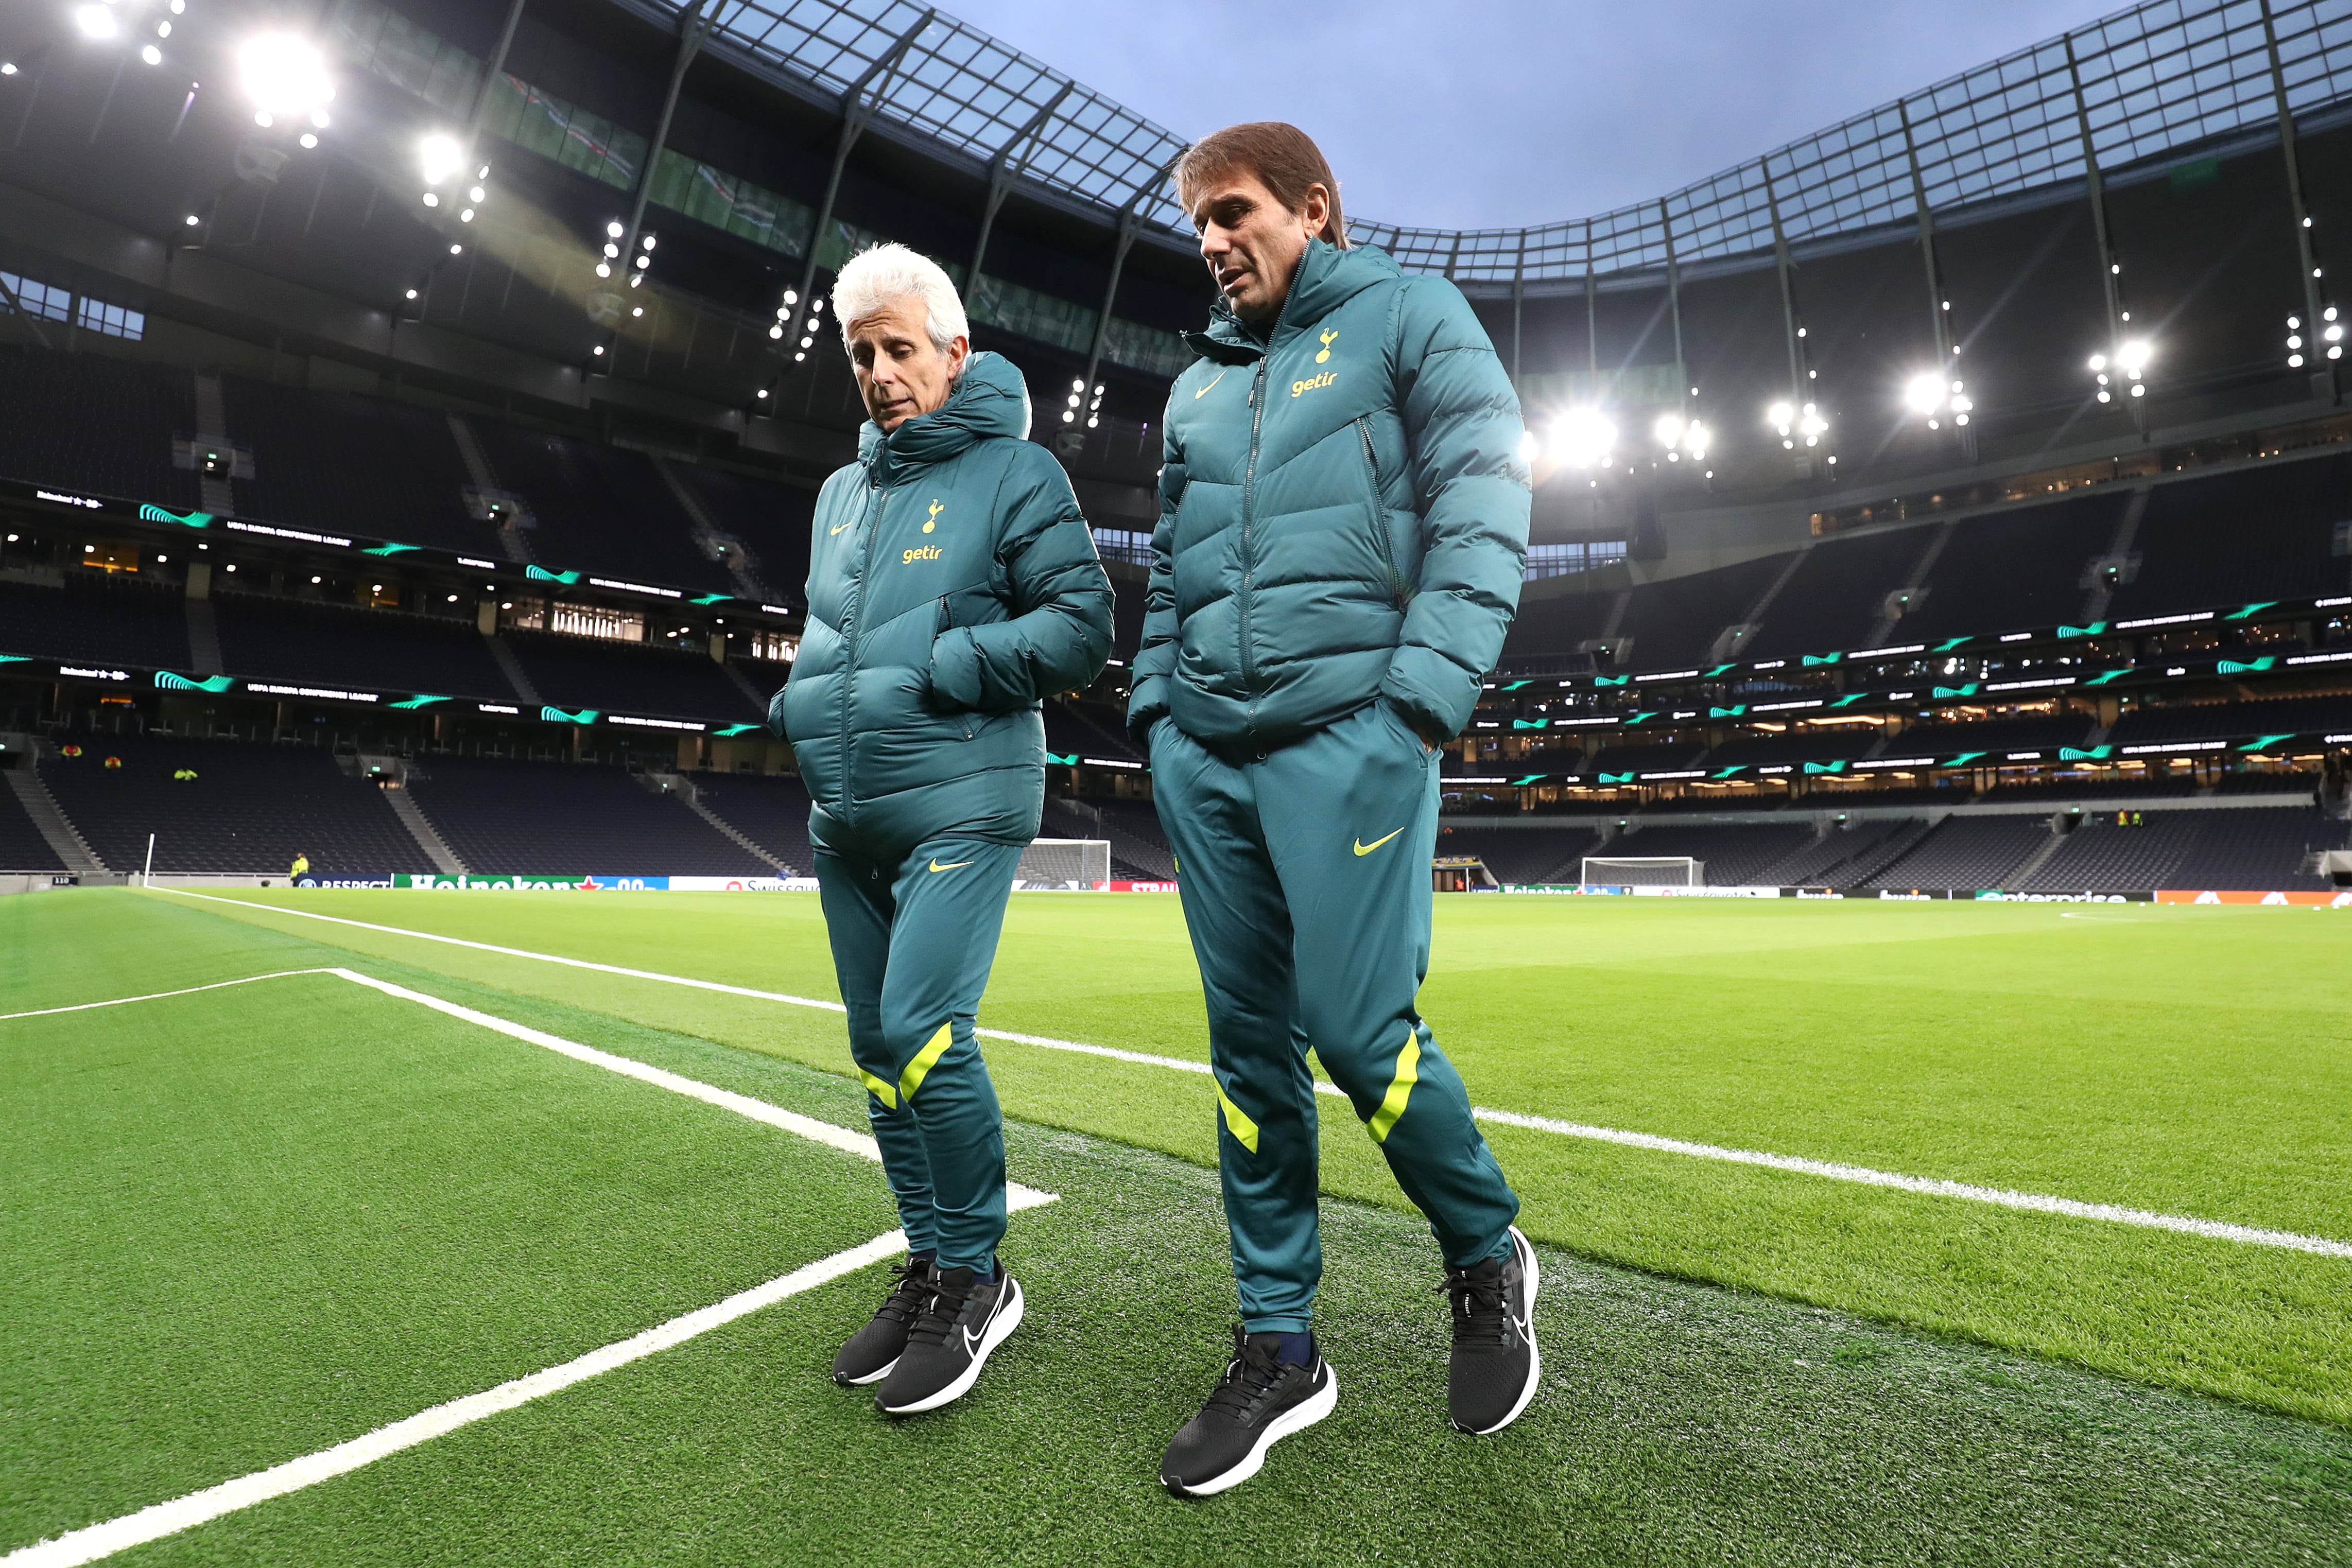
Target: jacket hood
<point>990,399</point>
<point>1327,278</point>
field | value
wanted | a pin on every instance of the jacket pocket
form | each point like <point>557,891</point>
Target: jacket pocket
<point>1393,583</point>
<point>964,719</point>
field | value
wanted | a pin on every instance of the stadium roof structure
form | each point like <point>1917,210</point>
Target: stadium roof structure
<point>2159,77</point>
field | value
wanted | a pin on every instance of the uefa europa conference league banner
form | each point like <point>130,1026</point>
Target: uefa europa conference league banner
<point>466,882</point>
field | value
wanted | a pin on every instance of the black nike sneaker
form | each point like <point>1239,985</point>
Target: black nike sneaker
<point>1259,1402</point>
<point>964,1321</point>
<point>875,1349</point>
<point>1495,1366</point>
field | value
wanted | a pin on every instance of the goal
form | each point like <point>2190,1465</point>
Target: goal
<point>1055,865</point>
<point>1642,871</point>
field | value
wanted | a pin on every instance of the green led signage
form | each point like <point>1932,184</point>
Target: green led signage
<point>2093,629</point>
<point>420,700</point>
<point>14,658</point>
<point>1616,778</point>
<point>1718,670</point>
<point>2085,754</point>
<point>1726,712</point>
<point>1849,699</point>
<point>1640,716</point>
<point>1531,724</point>
<point>2102,679</point>
<point>740,729</point>
<point>388,550</point>
<point>714,599</point>
<point>1514,685</point>
<point>557,715</point>
<point>1053,757</point>
<point>1964,759</point>
<point>1530,779</point>
<point>1824,767</point>
<point>1813,659</point>
<point>2263,743</point>
<point>2233,667</point>
<point>1967,690</point>
<point>2253,609</point>
<point>1610,680</point>
<point>1947,644</point>
<point>1735,767</point>
<point>167,681</point>
<point>150,512</point>
<point>540,574</point>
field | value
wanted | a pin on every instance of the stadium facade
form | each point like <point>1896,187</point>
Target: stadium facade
<point>1979,450</point>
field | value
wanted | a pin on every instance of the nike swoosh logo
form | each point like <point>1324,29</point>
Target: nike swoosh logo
<point>836,528</point>
<point>1364,849</point>
<point>955,866</point>
<point>1213,381</point>
<point>970,1342</point>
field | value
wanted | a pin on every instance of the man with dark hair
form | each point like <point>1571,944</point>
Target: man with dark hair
<point>1342,533</point>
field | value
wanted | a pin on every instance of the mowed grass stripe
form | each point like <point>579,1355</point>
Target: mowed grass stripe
<point>248,1224</point>
<point>2042,1203</point>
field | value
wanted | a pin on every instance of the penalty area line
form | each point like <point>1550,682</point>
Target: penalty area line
<point>159,1519</point>
<point>159,995</point>
<point>2212,1229</point>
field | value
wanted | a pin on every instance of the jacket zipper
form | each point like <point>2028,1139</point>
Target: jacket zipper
<point>1381,541</point>
<point>1249,482</point>
<point>849,629</point>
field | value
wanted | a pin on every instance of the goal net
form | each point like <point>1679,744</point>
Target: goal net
<point>1055,865</point>
<point>1642,871</point>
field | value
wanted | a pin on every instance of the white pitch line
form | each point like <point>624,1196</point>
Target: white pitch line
<point>152,1523</point>
<point>2036,1202</point>
<point>159,995</point>
<point>2114,1214</point>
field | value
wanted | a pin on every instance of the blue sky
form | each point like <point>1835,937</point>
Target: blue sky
<point>1517,111</point>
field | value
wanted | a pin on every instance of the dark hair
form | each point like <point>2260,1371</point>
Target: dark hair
<point>1284,158</point>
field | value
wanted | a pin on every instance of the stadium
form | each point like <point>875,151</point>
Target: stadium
<point>1886,895</point>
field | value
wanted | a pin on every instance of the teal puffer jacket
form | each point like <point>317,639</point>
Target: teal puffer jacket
<point>1343,513</point>
<point>952,585</point>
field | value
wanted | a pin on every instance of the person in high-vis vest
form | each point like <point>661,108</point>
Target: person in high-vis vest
<point>1343,524</point>
<point>953,584</point>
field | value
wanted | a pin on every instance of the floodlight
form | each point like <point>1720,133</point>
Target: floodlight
<point>310,140</point>
<point>602,270</point>
<point>763,391</point>
<point>614,230</point>
<point>777,330</point>
<point>644,261</point>
<point>151,55</point>
<point>648,242</point>
<point>2098,361</point>
<point>477,195</point>
<point>194,220</point>
<point>1924,394</point>
<point>285,75</point>
<point>792,297</point>
<point>457,250</point>
<point>439,156</point>
<point>1582,437</point>
<point>8,68</point>
<point>412,294</point>
<point>95,21</point>
<point>599,348</point>
<point>432,198</point>
<point>466,216</point>
<point>1669,431</point>
<point>2133,357</point>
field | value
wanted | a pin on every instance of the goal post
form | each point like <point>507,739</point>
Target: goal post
<point>1060,865</point>
<point>1641,870</point>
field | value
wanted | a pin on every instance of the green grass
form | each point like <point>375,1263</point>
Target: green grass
<point>260,1220</point>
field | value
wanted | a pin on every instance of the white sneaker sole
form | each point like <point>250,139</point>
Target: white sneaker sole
<point>870,1377</point>
<point>1297,1418</point>
<point>1008,1318</point>
<point>1534,1353</point>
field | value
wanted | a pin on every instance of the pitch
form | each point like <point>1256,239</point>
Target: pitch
<point>251,1223</point>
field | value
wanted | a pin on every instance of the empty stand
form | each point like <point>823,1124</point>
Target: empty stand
<point>2012,570</point>
<point>1138,850</point>
<point>562,819</point>
<point>1836,594</point>
<point>248,809</point>
<point>358,464</point>
<point>22,848</point>
<point>1562,625</point>
<point>1996,737</point>
<point>2250,849</point>
<point>770,521</point>
<point>96,618</point>
<point>1734,854</point>
<point>2234,538</point>
<point>772,811</point>
<point>2099,856</point>
<point>1852,743</point>
<point>583,671</point>
<point>379,650</point>
<point>1674,622</point>
<point>1524,855</point>
<point>2232,721</point>
<point>1966,853</point>
<point>599,508</point>
<point>84,421</point>
<point>1841,857</point>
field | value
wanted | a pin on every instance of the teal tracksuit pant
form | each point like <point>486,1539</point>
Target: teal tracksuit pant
<point>1306,879</point>
<point>912,942</point>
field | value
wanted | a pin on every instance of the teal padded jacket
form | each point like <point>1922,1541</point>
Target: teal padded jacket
<point>952,585</point>
<point>1343,513</point>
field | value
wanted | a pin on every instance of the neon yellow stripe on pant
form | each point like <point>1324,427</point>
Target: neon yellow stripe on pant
<point>1399,1088</point>
<point>883,1089</point>
<point>1243,1130</point>
<point>925,1059</point>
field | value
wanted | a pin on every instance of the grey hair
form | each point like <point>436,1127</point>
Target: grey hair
<point>881,275</point>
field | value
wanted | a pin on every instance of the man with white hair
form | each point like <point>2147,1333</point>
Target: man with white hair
<point>953,585</point>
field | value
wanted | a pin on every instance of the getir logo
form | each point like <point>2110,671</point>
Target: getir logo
<point>1314,383</point>
<point>928,552</point>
